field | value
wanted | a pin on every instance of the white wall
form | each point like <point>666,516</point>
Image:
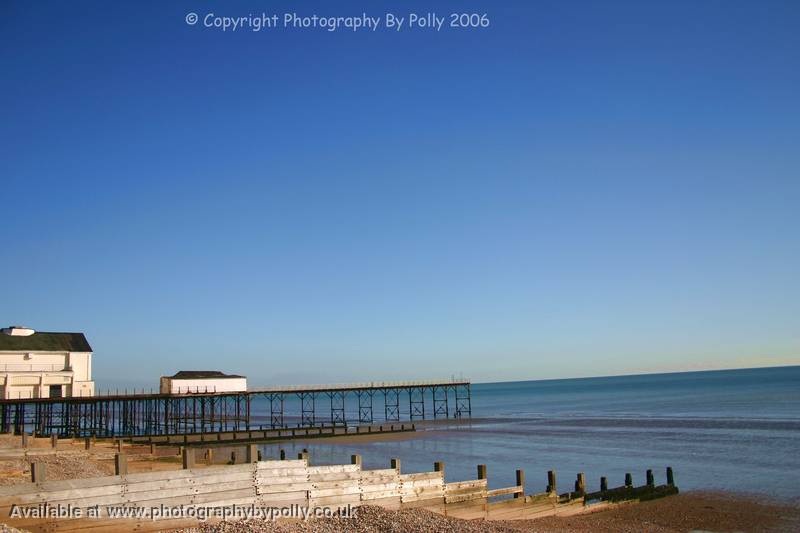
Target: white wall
<point>178,386</point>
<point>30,374</point>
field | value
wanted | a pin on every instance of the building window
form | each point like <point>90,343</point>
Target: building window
<point>55,391</point>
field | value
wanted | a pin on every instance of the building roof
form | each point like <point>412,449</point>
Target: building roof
<point>43,341</point>
<point>202,374</point>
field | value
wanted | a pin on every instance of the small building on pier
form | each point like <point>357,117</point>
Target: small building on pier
<point>202,381</point>
<point>38,364</point>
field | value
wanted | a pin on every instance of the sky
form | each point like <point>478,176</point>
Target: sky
<point>577,189</point>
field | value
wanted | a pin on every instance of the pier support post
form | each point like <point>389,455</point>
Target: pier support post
<point>120,464</point>
<point>355,459</point>
<point>628,480</point>
<point>580,483</point>
<point>603,483</point>
<point>520,483</point>
<point>651,482</point>
<point>438,466</point>
<point>395,463</point>
<point>481,471</point>
<point>551,482</point>
<point>251,454</point>
<point>670,477</point>
<point>187,456</point>
<point>37,472</point>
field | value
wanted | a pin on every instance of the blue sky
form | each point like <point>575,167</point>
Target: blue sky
<point>582,188</point>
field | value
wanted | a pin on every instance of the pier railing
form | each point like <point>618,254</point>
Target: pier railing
<point>121,413</point>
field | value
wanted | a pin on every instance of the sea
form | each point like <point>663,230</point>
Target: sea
<point>730,430</point>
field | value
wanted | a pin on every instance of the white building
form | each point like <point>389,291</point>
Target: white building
<point>200,381</point>
<point>37,364</point>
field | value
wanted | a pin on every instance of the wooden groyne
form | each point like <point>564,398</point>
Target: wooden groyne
<point>149,414</point>
<point>281,484</point>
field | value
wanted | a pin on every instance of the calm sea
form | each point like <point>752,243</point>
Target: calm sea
<point>732,430</point>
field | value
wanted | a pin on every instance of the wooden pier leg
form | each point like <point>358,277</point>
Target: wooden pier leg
<point>355,459</point>
<point>628,480</point>
<point>651,482</point>
<point>551,482</point>
<point>395,463</point>
<point>37,472</point>
<point>670,477</point>
<point>251,454</point>
<point>603,483</point>
<point>580,483</point>
<point>120,464</point>
<point>481,471</point>
<point>438,466</point>
<point>54,440</point>
<point>520,483</point>
<point>187,456</point>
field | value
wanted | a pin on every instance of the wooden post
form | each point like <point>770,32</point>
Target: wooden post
<point>651,482</point>
<point>283,455</point>
<point>628,480</point>
<point>187,455</point>
<point>209,455</point>
<point>152,449</point>
<point>258,455</point>
<point>119,445</point>
<point>120,464</point>
<point>25,440</point>
<point>395,463</point>
<point>37,472</point>
<point>355,459</point>
<point>233,458</point>
<point>603,483</point>
<point>54,440</point>
<point>551,481</point>
<point>520,483</point>
<point>251,453</point>
<point>670,477</point>
<point>481,471</point>
<point>87,443</point>
<point>580,483</point>
<point>438,466</point>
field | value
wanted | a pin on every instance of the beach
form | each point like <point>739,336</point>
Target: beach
<point>692,510</point>
<point>704,511</point>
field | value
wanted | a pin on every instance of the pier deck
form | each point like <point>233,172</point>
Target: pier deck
<point>145,414</point>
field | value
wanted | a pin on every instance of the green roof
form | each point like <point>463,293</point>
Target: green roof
<point>43,341</point>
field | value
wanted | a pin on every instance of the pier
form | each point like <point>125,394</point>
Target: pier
<point>270,408</point>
